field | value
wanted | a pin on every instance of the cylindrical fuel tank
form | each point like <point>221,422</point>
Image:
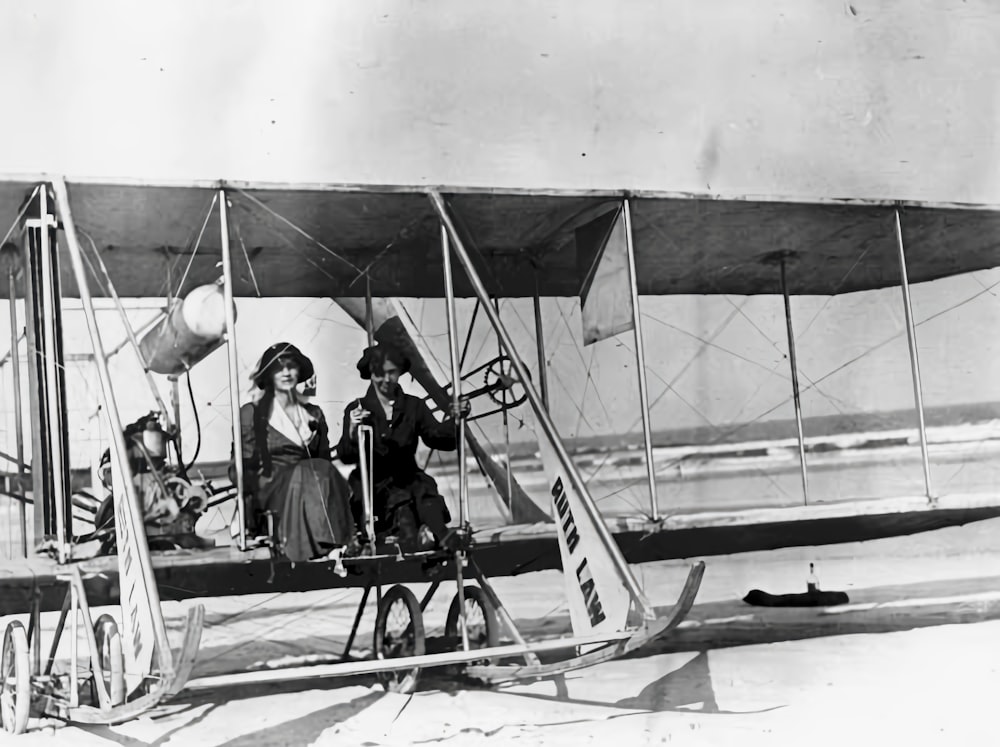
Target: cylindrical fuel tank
<point>194,328</point>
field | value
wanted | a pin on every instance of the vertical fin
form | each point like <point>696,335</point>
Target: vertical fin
<point>598,600</point>
<point>137,627</point>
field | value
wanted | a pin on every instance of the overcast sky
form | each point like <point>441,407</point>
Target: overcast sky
<point>890,99</point>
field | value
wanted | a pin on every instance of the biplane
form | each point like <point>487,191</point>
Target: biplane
<point>362,245</point>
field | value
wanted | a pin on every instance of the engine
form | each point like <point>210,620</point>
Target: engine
<point>171,503</point>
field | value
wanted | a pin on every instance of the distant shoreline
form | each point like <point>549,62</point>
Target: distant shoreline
<point>820,427</point>
<point>854,432</point>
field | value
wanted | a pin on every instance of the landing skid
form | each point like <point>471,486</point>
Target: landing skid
<point>612,645</point>
<point>166,688</point>
<point>59,696</point>
<point>651,631</point>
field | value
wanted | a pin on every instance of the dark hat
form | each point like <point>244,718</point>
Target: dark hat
<point>267,361</point>
<point>378,354</point>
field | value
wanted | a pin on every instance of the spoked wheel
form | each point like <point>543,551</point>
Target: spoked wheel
<point>15,697</point>
<point>502,384</point>
<point>109,652</point>
<point>399,631</point>
<point>480,619</point>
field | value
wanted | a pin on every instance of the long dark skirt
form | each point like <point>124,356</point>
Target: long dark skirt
<point>400,509</point>
<point>311,500</point>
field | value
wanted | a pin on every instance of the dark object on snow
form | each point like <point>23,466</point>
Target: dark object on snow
<point>760,598</point>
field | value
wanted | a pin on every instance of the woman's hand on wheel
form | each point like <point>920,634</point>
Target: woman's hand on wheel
<point>462,409</point>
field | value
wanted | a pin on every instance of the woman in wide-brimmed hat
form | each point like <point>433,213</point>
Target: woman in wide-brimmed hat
<point>286,453</point>
<point>406,499</point>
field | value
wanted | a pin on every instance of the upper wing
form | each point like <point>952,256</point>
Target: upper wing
<point>324,241</point>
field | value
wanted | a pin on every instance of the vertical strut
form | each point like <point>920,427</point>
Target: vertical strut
<point>36,624</point>
<point>357,621</point>
<point>52,363</point>
<point>369,316</point>
<point>74,669</point>
<point>175,402</point>
<point>543,382</point>
<point>366,441</point>
<point>640,359</point>
<point>503,412</point>
<point>234,384</point>
<point>456,396</point>
<point>46,379</point>
<point>15,367</point>
<point>456,373</point>
<point>911,339</point>
<point>795,382</point>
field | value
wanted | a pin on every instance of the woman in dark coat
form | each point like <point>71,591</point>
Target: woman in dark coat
<point>286,453</point>
<point>406,499</point>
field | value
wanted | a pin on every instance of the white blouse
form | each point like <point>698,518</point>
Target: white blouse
<point>282,422</point>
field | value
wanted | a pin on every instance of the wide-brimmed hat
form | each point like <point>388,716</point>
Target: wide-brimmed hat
<point>267,361</point>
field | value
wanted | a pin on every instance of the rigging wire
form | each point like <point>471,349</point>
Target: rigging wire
<point>246,256</point>
<point>361,272</point>
<point>406,229</point>
<point>335,598</point>
<point>108,287</point>
<point>191,247</point>
<point>839,404</point>
<point>713,425</point>
<point>593,471</point>
<point>290,244</point>
<point>468,336</point>
<point>784,354</point>
<point>302,255</point>
<point>433,357</point>
<point>20,214</point>
<point>482,342</point>
<point>982,445</point>
<point>604,460</point>
<point>468,240</point>
<point>461,362</point>
<point>656,228</point>
<point>741,426</point>
<point>837,287</point>
<point>552,373</point>
<point>706,343</point>
<point>300,231</point>
<point>590,379</point>
<point>197,243</point>
<point>301,252</point>
<point>479,254</point>
<point>62,365</point>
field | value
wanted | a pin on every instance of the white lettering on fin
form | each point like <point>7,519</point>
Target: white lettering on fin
<point>598,599</point>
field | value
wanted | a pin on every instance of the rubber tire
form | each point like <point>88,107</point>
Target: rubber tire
<point>109,641</point>
<point>400,682</point>
<point>15,703</point>
<point>491,623</point>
